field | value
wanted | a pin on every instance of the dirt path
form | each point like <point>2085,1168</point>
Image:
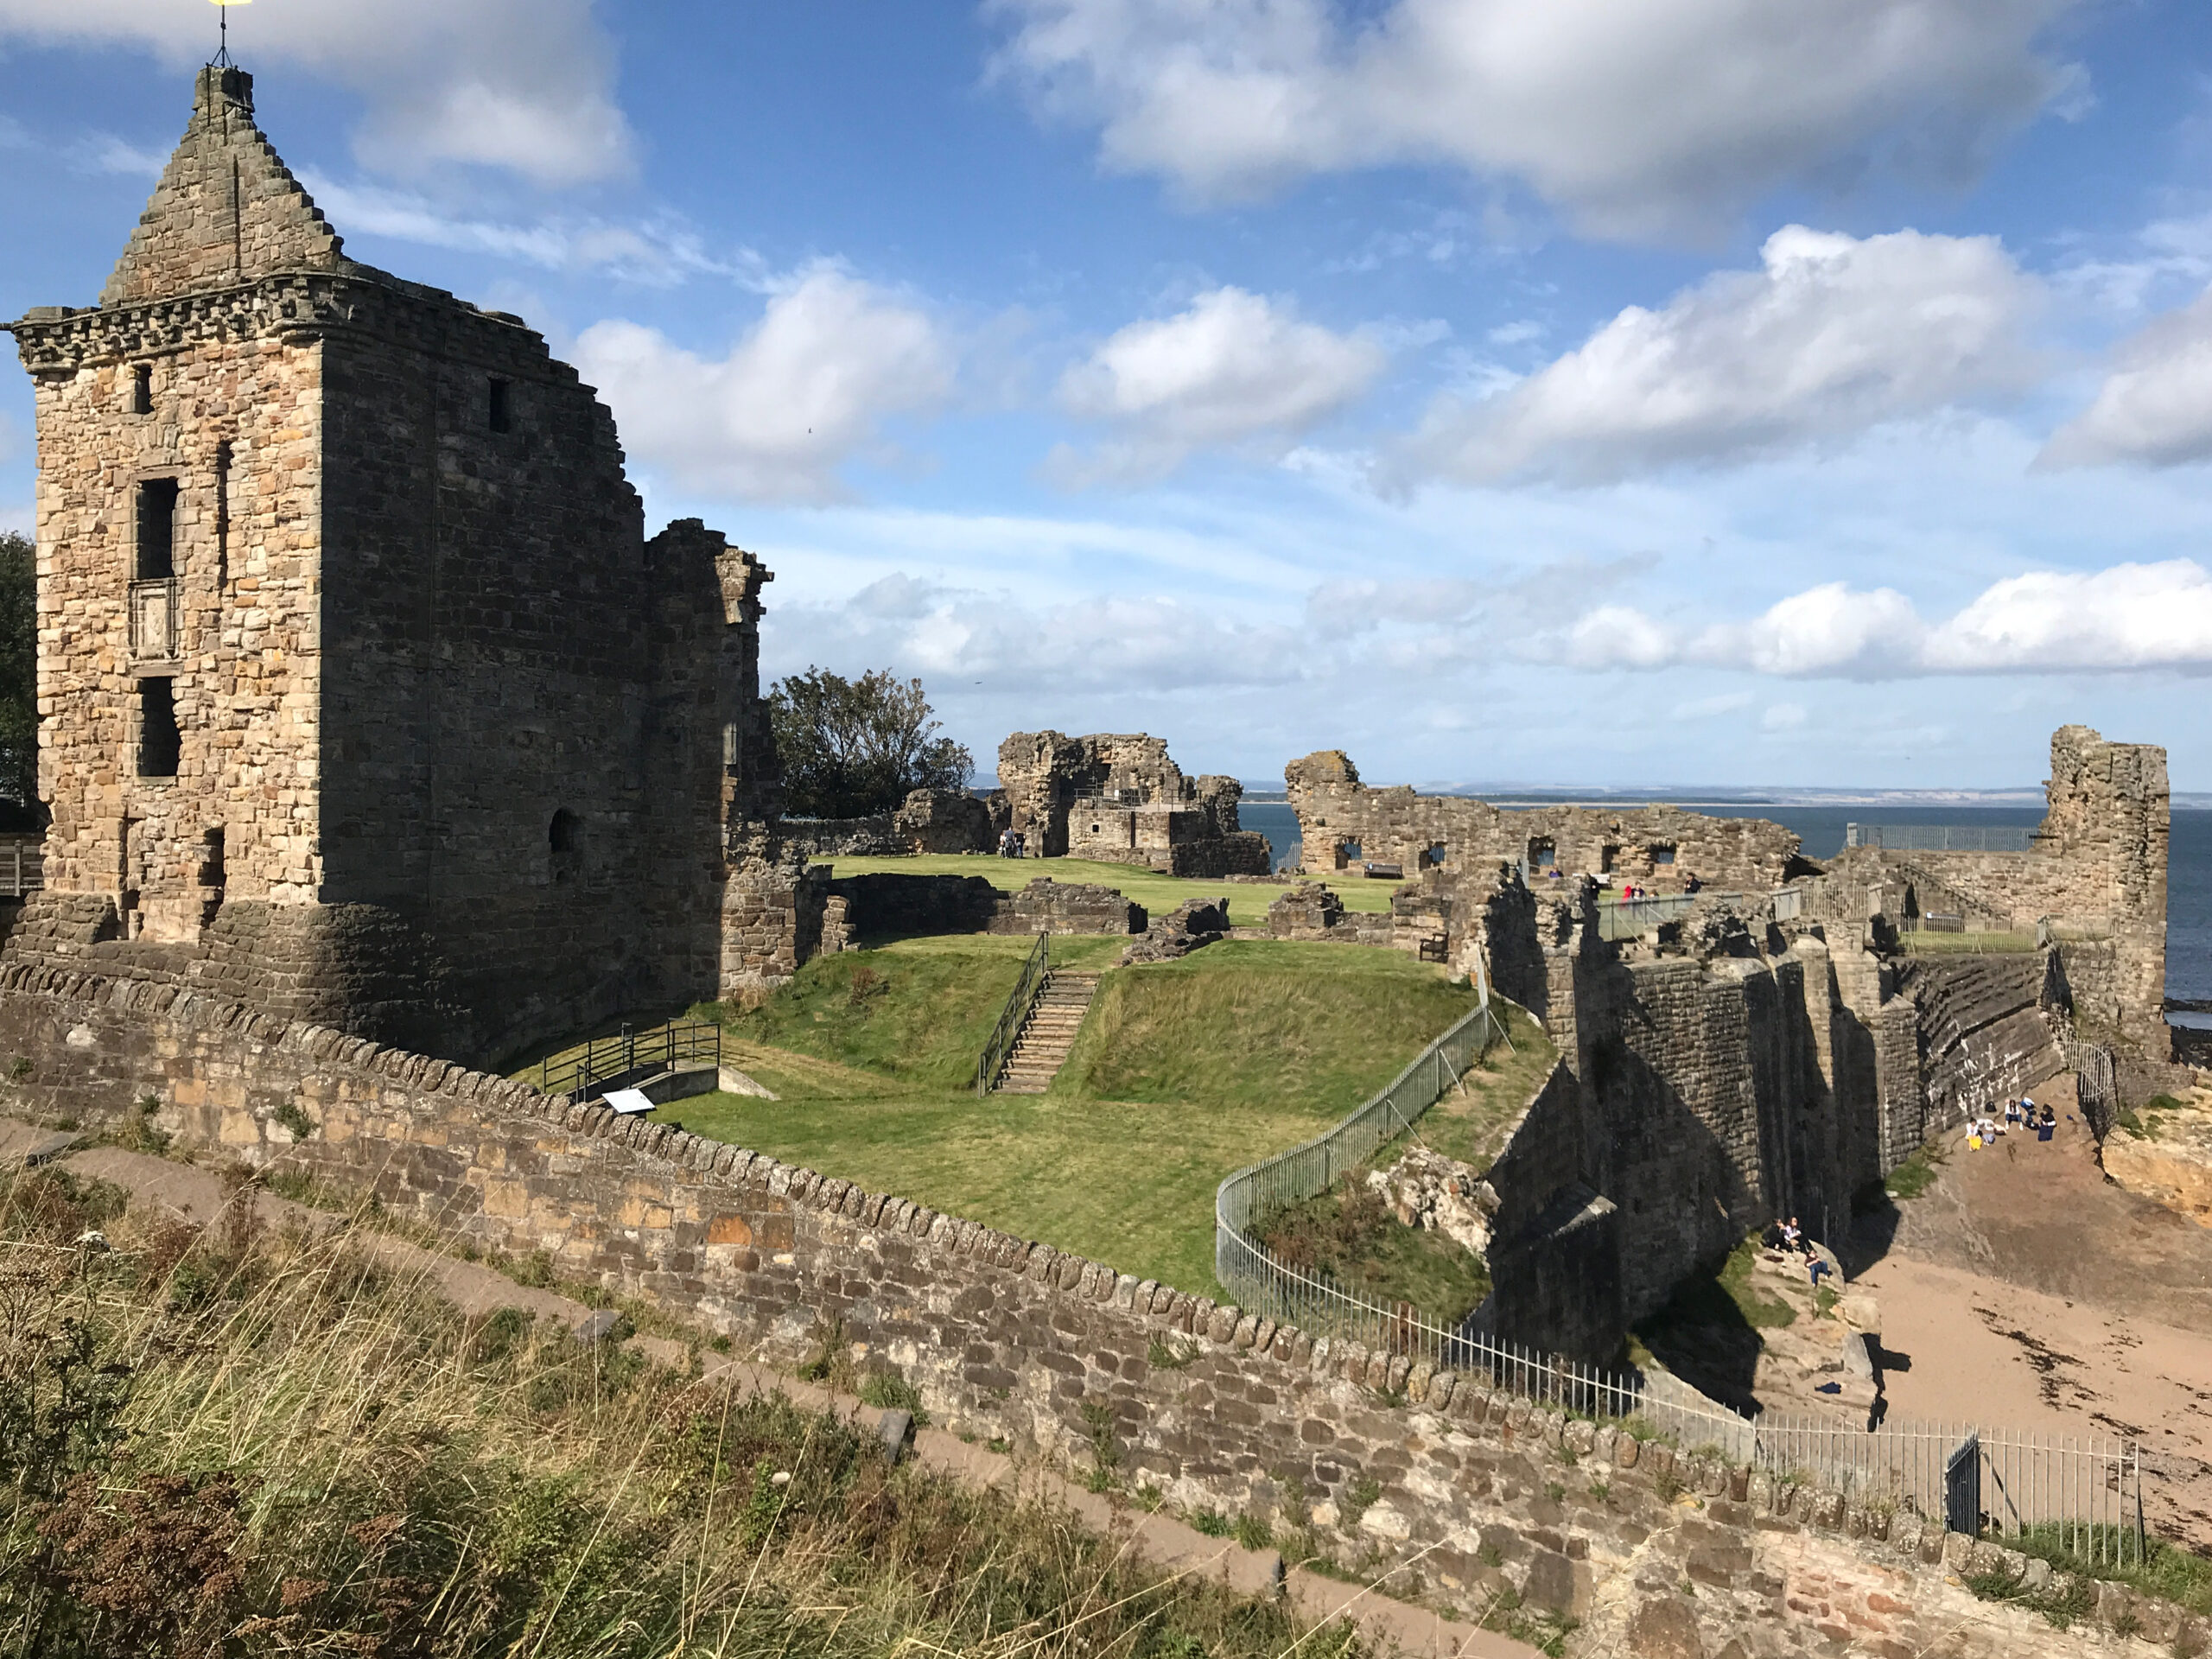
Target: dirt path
<point>2023,1289</point>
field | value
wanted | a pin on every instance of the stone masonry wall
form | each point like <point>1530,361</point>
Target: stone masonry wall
<point>1215,1407</point>
<point>374,550</point>
<point>1337,813</point>
<point>1117,797</point>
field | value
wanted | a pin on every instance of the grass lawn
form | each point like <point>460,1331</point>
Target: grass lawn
<point>1248,901</point>
<point>1185,1072</point>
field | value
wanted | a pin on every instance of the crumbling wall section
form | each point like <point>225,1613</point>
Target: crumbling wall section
<point>1343,823</point>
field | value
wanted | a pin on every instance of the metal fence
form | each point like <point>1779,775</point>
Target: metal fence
<point>1000,1049</point>
<point>608,1062</point>
<point>1264,1285</point>
<point>23,868</point>
<point>1631,919</point>
<point>1940,837</point>
<point>2085,1496</point>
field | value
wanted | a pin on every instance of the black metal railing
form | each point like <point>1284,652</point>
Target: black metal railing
<point>606,1063</point>
<point>1016,1016</point>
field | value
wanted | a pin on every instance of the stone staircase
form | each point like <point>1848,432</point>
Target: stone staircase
<point>1043,1046</point>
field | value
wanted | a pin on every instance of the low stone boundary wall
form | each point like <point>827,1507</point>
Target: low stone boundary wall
<point>1208,1405</point>
<point>1049,907</point>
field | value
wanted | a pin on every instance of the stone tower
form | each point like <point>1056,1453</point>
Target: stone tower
<point>366,699</point>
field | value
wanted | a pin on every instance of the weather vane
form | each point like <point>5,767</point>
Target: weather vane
<point>223,59</point>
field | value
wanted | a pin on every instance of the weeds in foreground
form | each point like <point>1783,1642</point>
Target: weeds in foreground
<point>238,1442</point>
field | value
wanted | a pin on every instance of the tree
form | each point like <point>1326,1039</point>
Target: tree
<point>853,748</point>
<point>18,672</point>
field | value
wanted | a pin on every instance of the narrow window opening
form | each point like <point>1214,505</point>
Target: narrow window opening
<point>501,414</point>
<point>142,389</point>
<point>1542,855</point>
<point>158,529</point>
<point>565,840</point>
<point>222,514</point>
<point>161,745</point>
<point>1662,853</point>
<point>1606,856</point>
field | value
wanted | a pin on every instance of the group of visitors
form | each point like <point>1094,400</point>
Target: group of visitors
<point>2022,1115</point>
<point>1788,1237</point>
<point>1012,844</point>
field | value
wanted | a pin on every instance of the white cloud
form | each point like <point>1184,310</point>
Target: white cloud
<point>2156,406</point>
<point>526,84</point>
<point>2124,618</point>
<point>995,640</point>
<point>659,253</point>
<point>809,388</point>
<point>1231,370</point>
<point>1640,118</point>
<point>1831,336</point>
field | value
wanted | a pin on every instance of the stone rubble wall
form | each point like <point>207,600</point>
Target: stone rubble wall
<point>1987,1027</point>
<point>1049,907</point>
<point>1116,798</point>
<point>929,821</point>
<point>1337,813</point>
<point>1214,1408</point>
<point>1191,926</point>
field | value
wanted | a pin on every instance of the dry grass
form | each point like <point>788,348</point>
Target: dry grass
<point>258,1443</point>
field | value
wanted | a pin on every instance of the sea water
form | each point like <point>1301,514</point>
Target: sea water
<point>2189,868</point>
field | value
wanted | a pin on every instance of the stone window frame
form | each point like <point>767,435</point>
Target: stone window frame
<point>499,404</point>
<point>138,711</point>
<point>142,387</point>
<point>1663,853</point>
<point>134,545</point>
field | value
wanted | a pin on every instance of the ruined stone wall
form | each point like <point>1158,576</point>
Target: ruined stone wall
<point>1118,798</point>
<point>1985,1029</point>
<point>1656,847</point>
<point>1215,1408</point>
<point>2097,865</point>
<point>1049,907</point>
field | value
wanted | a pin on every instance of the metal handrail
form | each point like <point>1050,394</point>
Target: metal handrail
<point>1013,1017</point>
<point>602,1060</point>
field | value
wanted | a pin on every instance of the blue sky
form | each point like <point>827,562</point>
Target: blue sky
<point>1622,391</point>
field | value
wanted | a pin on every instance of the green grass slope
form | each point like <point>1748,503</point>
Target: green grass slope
<point>1247,1024</point>
<point>1185,1071</point>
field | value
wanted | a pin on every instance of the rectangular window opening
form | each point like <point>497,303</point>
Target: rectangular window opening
<point>156,529</point>
<point>501,419</point>
<point>1541,854</point>
<point>161,745</point>
<point>1662,853</point>
<point>222,514</point>
<point>142,389</point>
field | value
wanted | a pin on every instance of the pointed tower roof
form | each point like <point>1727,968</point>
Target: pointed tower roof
<point>227,210</point>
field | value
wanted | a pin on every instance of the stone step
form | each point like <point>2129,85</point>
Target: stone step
<point>1055,1019</point>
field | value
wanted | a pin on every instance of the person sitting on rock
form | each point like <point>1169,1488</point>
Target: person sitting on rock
<point>1793,1235</point>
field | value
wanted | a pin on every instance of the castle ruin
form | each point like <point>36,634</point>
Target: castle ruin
<point>367,697</point>
<point>1118,799</point>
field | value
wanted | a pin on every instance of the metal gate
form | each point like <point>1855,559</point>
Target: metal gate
<point>1962,1488</point>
